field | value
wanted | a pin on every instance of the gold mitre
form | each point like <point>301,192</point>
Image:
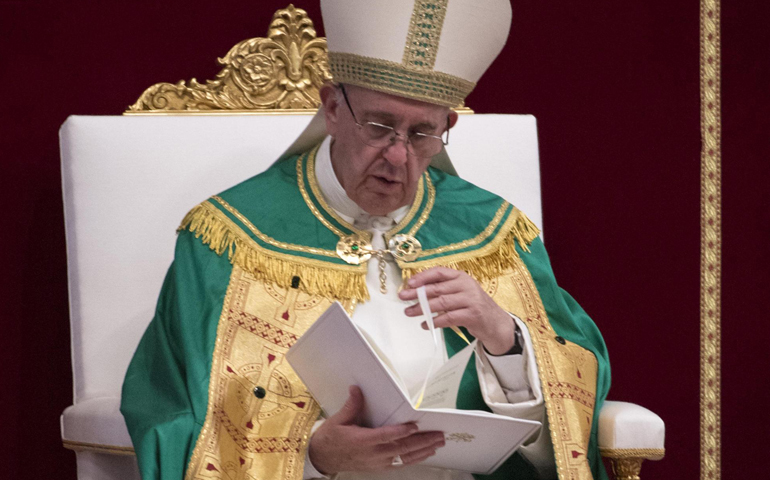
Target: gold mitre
<point>430,50</point>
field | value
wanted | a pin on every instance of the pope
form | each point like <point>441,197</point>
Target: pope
<point>368,213</point>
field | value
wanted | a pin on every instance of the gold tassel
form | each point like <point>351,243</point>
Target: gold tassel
<point>524,230</point>
<point>207,224</point>
<point>493,264</point>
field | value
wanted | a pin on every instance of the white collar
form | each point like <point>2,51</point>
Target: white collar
<point>335,195</point>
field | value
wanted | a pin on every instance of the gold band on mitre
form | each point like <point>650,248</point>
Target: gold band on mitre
<point>415,76</point>
<point>428,50</point>
<point>398,79</point>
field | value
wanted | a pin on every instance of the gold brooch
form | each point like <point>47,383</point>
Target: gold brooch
<point>354,249</point>
<point>405,247</point>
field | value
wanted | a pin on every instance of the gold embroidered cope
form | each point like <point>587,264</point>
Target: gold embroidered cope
<point>267,437</point>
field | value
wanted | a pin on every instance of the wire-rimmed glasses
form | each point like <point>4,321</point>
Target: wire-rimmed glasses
<point>378,135</point>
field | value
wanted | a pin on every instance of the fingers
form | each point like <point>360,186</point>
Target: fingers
<point>390,434</point>
<point>432,275</point>
<point>434,289</point>
<point>348,415</point>
<point>455,318</point>
<point>412,448</point>
<point>409,447</point>
<point>349,412</point>
<point>418,456</point>
<point>438,281</point>
<point>337,448</point>
<point>444,303</point>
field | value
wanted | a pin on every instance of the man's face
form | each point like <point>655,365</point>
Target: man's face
<point>379,180</point>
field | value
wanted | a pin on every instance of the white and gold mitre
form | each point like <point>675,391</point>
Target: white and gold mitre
<point>429,50</point>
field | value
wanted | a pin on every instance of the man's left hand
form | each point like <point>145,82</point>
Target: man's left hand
<point>463,303</point>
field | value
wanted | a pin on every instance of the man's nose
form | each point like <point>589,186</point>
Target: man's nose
<point>396,153</point>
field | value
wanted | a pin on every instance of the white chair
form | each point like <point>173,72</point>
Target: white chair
<point>127,183</point>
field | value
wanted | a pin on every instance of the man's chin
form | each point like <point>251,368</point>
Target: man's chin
<point>380,205</point>
<point>378,212</point>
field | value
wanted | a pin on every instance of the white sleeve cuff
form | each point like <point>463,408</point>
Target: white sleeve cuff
<point>514,374</point>
<point>510,385</point>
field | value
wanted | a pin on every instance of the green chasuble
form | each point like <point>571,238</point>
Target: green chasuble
<point>208,393</point>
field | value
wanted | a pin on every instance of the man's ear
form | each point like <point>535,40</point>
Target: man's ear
<point>329,101</point>
<point>452,118</point>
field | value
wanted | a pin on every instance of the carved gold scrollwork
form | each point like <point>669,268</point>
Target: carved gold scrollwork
<point>281,72</point>
<point>626,468</point>
<point>627,462</point>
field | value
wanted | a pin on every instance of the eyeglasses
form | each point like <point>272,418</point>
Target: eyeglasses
<point>378,135</point>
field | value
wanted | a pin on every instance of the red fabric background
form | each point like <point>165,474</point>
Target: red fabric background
<point>614,86</point>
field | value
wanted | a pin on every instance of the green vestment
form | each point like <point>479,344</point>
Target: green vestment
<point>253,268</point>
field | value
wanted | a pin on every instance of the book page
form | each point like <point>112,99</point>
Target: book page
<point>332,355</point>
<point>443,386</point>
<point>385,362</point>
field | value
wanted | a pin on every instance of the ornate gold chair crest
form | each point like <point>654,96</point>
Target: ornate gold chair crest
<point>281,72</point>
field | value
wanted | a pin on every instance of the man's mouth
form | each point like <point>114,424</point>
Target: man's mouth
<point>386,183</point>
<point>385,179</point>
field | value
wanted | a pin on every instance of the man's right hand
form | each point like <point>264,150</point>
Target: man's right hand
<point>340,445</point>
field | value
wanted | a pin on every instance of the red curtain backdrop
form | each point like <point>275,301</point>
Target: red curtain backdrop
<point>615,89</point>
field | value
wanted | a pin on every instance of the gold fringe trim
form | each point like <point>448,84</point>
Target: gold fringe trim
<point>221,234</point>
<point>524,230</point>
<point>487,264</point>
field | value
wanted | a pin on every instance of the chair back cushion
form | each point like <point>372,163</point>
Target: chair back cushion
<point>129,180</point>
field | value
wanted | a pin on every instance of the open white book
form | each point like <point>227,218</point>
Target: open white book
<point>334,354</point>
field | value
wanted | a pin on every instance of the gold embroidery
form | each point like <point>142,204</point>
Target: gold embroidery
<point>428,208</point>
<point>313,182</point>
<point>460,437</point>
<point>489,261</point>
<point>390,77</point>
<point>270,240</point>
<point>256,436</point>
<point>259,413</point>
<point>221,234</point>
<point>313,208</point>
<point>475,240</point>
<point>711,240</point>
<point>424,35</point>
<point>425,180</point>
<point>195,458</point>
<point>563,368</point>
